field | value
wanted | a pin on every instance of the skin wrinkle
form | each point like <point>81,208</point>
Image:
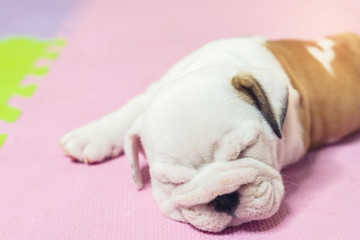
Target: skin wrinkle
<point>255,209</point>
<point>164,178</point>
<point>246,149</point>
<point>264,192</point>
<point>216,145</point>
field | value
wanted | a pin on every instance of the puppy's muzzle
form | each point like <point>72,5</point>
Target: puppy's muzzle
<point>223,193</point>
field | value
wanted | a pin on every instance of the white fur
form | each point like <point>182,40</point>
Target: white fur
<point>324,56</point>
<point>194,126</point>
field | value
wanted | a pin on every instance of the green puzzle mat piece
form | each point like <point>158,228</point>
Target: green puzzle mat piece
<point>17,58</point>
<point>2,139</point>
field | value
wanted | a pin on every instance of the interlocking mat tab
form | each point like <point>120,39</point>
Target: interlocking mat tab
<point>18,57</point>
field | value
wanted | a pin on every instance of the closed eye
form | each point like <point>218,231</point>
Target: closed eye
<point>167,179</point>
<point>235,155</point>
<point>241,154</point>
<point>172,173</point>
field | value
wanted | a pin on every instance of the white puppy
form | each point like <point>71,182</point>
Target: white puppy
<point>216,131</point>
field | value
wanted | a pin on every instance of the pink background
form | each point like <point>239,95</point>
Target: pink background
<point>114,50</point>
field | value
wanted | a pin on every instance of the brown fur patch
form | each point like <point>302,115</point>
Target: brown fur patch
<point>329,105</point>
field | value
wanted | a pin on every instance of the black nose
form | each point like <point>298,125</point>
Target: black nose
<point>226,203</point>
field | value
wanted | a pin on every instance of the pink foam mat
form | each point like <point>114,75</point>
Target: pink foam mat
<point>114,51</point>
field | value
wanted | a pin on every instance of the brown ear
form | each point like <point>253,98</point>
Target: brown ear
<point>132,147</point>
<point>253,93</point>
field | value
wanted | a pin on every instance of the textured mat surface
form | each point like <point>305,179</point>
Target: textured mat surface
<point>114,50</point>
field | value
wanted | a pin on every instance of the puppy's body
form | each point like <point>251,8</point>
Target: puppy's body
<point>226,119</point>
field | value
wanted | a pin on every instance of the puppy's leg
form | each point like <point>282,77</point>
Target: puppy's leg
<point>103,138</point>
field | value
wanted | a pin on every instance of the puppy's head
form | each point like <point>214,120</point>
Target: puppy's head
<point>211,142</point>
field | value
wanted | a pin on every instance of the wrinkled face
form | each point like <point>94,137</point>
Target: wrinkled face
<point>211,155</point>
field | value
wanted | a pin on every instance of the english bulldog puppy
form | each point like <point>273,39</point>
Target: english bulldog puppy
<point>221,124</point>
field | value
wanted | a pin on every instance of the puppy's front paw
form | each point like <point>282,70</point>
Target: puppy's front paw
<point>92,143</point>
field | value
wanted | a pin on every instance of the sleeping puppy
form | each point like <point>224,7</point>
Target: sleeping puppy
<point>221,124</point>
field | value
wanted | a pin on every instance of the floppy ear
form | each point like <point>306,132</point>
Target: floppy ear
<point>132,146</point>
<point>253,93</point>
